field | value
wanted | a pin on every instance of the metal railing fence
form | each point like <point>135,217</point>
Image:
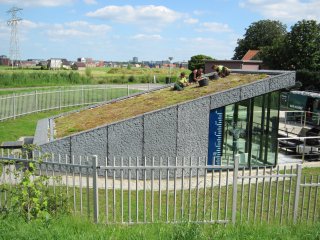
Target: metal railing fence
<point>175,190</point>
<point>299,118</point>
<point>18,104</point>
<point>300,148</point>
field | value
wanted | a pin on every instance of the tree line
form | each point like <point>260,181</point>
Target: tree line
<point>279,49</point>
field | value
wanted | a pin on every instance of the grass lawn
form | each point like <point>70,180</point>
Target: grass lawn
<point>66,227</point>
<point>131,107</point>
<point>12,129</point>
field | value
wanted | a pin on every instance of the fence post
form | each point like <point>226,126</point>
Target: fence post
<point>95,188</point>
<point>60,98</point>
<point>235,189</point>
<point>14,105</point>
<point>128,93</point>
<point>36,99</point>
<point>297,194</point>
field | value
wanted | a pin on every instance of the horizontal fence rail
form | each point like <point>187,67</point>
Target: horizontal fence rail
<point>134,190</point>
<point>18,104</point>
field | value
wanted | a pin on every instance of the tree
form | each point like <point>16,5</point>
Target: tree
<point>275,56</point>
<point>258,35</point>
<point>198,61</point>
<point>303,46</point>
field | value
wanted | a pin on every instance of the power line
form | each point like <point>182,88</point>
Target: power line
<point>14,51</point>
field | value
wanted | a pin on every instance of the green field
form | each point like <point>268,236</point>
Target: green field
<point>36,77</point>
<point>12,129</point>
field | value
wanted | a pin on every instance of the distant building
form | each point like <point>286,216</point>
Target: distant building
<point>55,63</point>
<point>66,64</point>
<point>4,60</point>
<point>28,64</point>
<point>135,60</point>
<point>246,63</point>
<point>79,66</point>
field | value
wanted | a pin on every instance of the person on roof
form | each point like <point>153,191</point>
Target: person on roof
<point>221,70</point>
<point>181,83</point>
<point>193,76</point>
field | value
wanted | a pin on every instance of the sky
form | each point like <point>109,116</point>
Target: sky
<point>118,30</point>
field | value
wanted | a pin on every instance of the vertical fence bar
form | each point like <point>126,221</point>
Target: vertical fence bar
<point>121,188</point>
<point>309,197</point>
<point>36,100</point>
<point>167,192</point>
<point>95,188</point>
<point>289,197</point>
<point>197,190</point>
<point>160,176</point>
<point>204,191</point>
<point>283,194</point>
<point>269,196</point>
<point>80,185</point>
<point>60,99</point>
<point>212,195</point>
<point>152,193</point>
<point>235,189</point>
<point>303,195</point>
<point>129,191</point>
<point>182,188</point>
<point>144,191</point>
<point>190,182</point>
<point>137,191</point>
<point>276,197</point>
<point>227,192</point>
<point>315,200</point>
<point>106,192</point>
<point>174,191</point>
<point>263,188</point>
<point>14,105</point>
<point>242,192</point>
<point>256,196</point>
<point>219,195</point>
<point>114,189</point>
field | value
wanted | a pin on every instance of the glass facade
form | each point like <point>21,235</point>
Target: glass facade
<point>250,129</point>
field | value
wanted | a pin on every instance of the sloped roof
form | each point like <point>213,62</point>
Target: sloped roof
<point>250,55</point>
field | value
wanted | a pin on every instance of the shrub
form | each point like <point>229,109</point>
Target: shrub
<point>131,79</point>
<point>31,196</point>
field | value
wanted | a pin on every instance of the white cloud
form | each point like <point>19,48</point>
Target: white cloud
<point>90,2</point>
<point>191,21</point>
<point>43,3</point>
<point>214,27</point>
<point>76,29</point>
<point>199,12</point>
<point>147,37</point>
<point>150,14</point>
<point>29,24</point>
<point>285,10</point>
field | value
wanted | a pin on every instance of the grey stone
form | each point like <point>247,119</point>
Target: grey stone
<point>160,133</point>
<point>282,81</point>
<point>125,139</point>
<point>254,89</point>
<point>225,98</point>
<point>90,143</point>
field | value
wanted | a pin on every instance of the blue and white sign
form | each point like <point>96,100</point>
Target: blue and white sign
<point>215,136</point>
